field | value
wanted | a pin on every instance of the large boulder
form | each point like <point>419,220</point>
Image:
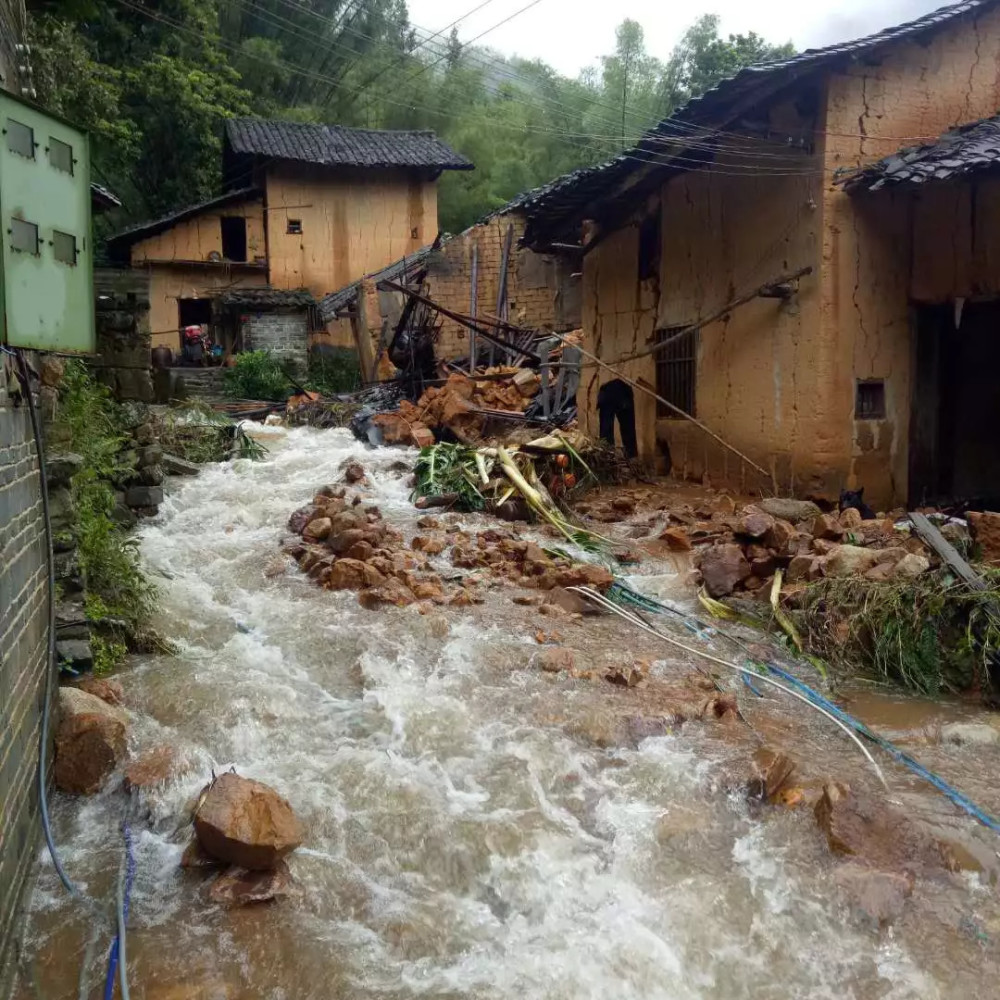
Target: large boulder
<point>848,560</point>
<point>90,741</point>
<point>352,574</point>
<point>790,510</point>
<point>723,567</point>
<point>246,823</point>
<point>754,523</point>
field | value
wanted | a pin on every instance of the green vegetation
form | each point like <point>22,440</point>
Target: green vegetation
<point>153,83</point>
<point>257,375</point>
<point>335,372</point>
<point>117,596</point>
<point>197,433</point>
<point>930,634</point>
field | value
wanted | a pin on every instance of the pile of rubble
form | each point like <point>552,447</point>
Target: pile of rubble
<point>458,406</point>
<point>343,543</point>
<point>741,550</point>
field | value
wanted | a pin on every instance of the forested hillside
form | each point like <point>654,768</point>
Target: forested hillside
<point>153,81</point>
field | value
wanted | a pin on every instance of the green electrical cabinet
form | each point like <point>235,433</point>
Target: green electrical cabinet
<point>47,261</point>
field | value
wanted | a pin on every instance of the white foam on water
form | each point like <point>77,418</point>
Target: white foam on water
<point>456,846</point>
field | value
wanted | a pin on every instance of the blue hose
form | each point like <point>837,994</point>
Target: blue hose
<point>890,748</point>
<point>628,596</point>
<point>118,945</point>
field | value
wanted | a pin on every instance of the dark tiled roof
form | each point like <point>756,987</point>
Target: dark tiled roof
<point>554,206</point>
<point>268,298</point>
<point>339,146</point>
<point>738,87</point>
<point>969,149</point>
<point>127,237</point>
<point>398,270</point>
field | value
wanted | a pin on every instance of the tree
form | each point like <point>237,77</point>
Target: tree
<point>702,58</point>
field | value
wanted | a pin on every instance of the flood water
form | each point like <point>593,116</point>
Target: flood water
<point>471,830</point>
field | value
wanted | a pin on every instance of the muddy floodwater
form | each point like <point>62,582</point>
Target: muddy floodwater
<point>477,828</point>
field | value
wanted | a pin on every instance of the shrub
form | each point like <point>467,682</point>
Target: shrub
<point>333,372</point>
<point>257,375</point>
<point>115,587</point>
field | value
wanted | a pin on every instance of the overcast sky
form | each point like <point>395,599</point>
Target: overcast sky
<point>572,34</point>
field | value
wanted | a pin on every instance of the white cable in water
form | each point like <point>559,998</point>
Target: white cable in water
<point>595,597</point>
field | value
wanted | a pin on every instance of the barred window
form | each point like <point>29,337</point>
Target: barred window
<point>869,403</point>
<point>676,370</point>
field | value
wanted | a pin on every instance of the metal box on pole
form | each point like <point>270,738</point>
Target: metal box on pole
<point>47,260</point>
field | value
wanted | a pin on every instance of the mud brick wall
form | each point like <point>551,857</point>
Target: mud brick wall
<point>284,334</point>
<point>23,621</point>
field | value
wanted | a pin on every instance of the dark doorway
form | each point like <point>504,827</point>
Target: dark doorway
<point>954,445</point>
<point>234,237</point>
<point>194,312</point>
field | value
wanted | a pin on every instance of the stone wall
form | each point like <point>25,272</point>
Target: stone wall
<point>23,620</point>
<point>285,333</point>
<point>121,302</point>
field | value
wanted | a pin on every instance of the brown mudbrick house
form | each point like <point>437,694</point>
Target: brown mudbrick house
<point>306,207</point>
<point>843,326</point>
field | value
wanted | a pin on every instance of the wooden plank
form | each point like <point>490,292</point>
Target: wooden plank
<point>948,553</point>
<point>362,339</point>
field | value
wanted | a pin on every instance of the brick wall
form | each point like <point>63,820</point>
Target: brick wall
<point>541,289</point>
<point>284,333</point>
<point>23,620</point>
<point>121,300</point>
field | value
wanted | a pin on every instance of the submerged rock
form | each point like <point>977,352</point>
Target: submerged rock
<point>970,733</point>
<point>859,825</point>
<point>240,887</point>
<point>246,823</point>
<point>881,896</point>
<point>154,767</point>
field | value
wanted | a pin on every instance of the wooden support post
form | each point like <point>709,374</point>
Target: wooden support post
<point>473,306</point>
<point>362,339</point>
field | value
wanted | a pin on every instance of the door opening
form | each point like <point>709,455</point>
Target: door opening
<point>954,448</point>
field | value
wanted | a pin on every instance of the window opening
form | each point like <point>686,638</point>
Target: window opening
<point>295,226</point>
<point>234,237</point>
<point>869,403</point>
<point>649,247</point>
<point>676,370</point>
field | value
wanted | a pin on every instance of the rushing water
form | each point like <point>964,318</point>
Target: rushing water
<point>466,836</point>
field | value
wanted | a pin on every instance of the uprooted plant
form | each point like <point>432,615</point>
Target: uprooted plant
<point>930,634</point>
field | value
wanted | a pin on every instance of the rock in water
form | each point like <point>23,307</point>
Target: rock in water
<point>246,823</point>
<point>880,895</point>
<point>875,832</point>
<point>90,741</point>
<point>240,887</point>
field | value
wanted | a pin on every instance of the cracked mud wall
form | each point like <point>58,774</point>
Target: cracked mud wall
<point>353,223</point>
<point>619,317</point>
<point>881,251</point>
<point>724,233</point>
